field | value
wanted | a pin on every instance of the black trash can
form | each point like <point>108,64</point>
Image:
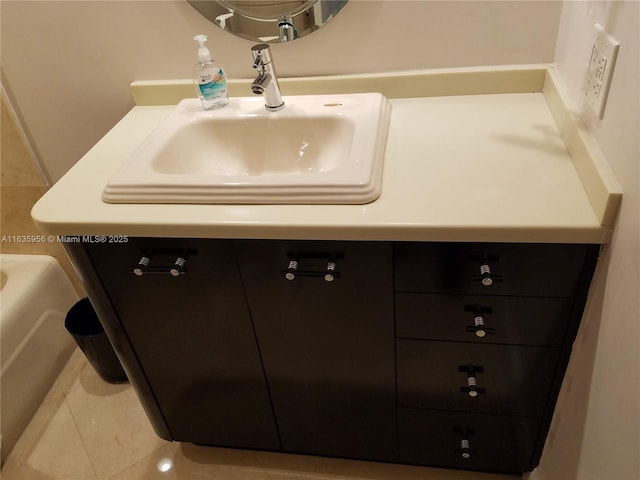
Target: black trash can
<point>83,324</point>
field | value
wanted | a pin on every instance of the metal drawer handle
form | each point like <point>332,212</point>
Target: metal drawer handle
<point>179,267</point>
<point>479,324</point>
<point>465,450</point>
<point>479,327</point>
<point>329,273</point>
<point>331,269</point>
<point>290,273</point>
<point>160,264</point>
<point>472,388</point>
<point>486,277</point>
<point>142,265</point>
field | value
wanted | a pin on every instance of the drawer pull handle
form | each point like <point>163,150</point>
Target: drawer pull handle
<point>290,274</point>
<point>179,267</point>
<point>485,273</point>
<point>313,265</point>
<point>465,450</point>
<point>162,261</point>
<point>472,388</point>
<point>486,276</point>
<point>479,327</point>
<point>479,324</point>
<point>331,269</point>
<point>142,265</point>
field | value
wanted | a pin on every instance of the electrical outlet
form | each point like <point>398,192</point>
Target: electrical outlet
<point>600,70</point>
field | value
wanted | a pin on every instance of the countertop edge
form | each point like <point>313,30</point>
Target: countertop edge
<point>383,233</point>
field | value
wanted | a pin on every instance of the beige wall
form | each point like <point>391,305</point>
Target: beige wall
<point>21,185</point>
<point>67,64</point>
<point>595,434</point>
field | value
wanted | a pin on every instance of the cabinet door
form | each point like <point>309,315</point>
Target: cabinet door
<point>193,336</point>
<point>327,346</point>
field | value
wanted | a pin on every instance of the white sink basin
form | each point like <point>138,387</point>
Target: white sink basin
<point>325,149</point>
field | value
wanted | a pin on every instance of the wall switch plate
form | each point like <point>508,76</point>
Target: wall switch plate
<point>600,70</point>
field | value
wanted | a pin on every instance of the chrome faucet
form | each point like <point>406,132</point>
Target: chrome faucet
<point>287,28</point>
<point>267,81</point>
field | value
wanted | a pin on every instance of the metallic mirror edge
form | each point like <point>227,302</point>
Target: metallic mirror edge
<point>273,21</point>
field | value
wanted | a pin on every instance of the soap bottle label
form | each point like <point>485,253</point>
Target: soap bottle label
<point>212,83</point>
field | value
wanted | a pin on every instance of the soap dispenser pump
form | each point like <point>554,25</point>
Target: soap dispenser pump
<point>209,78</point>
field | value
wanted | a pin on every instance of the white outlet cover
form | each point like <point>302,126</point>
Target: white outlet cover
<point>600,70</point>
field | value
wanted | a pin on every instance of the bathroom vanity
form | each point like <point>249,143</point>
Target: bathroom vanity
<point>404,352</point>
<point>432,326</point>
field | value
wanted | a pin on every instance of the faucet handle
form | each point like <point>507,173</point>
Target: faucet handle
<point>257,63</point>
<point>261,54</point>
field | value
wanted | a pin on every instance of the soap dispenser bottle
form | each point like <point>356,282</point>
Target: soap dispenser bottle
<point>209,78</point>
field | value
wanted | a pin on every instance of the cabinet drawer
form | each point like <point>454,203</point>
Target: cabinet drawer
<point>510,380</point>
<point>496,442</point>
<point>482,318</point>
<point>546,270</point>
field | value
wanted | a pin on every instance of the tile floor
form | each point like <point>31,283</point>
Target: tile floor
<point>87,429</point>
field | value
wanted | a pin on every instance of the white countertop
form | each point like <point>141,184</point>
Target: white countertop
<point>490,167</point>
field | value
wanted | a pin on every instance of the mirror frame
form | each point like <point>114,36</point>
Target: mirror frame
<point>271,22</point>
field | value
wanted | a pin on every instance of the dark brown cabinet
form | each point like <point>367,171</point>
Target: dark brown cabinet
<point>327,346</point>
<point>443,354</point>
<point>484,332</point>
<point>193,337</point>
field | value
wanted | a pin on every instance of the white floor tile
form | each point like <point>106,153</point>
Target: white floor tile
<point>112,425</point>
<point>77,372</point>
<point>50,447</point>
<point>189,462</point>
